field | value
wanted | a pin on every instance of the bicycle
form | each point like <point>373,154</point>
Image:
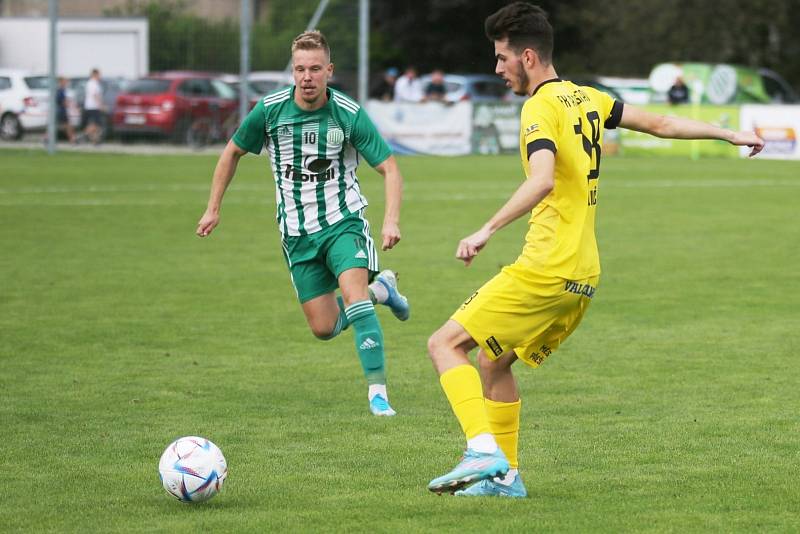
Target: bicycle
<point>204,131</point>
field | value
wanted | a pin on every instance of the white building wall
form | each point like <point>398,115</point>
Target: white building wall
<point>118,47</point>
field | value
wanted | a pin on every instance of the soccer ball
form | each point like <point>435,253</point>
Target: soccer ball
<point>192,469</point>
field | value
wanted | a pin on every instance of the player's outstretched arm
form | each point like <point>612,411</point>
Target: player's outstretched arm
<point>223,174</point>
<point>640,120</point>
<point>393,182</point>
<point>525,198</point>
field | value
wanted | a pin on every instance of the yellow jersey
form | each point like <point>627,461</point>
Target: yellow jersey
<point>569,120</point>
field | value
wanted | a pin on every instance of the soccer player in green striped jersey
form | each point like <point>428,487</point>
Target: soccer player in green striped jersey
<point>314,136</point>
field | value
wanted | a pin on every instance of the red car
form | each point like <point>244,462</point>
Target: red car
<point>168,103</point>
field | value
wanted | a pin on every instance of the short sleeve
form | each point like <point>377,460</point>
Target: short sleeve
<point>366,139</point>
<point>539,126</point>
<point>610,108</point>
<point>251,134</point>
<point>614,116</point>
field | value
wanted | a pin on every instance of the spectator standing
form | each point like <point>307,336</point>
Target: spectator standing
<point>93,107</point>
<point>678,93</point>
<point>62,117</point>
<point>408,87</point>
<point>384,89</point>
<point>435,90</point>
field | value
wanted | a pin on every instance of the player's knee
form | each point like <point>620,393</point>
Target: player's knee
<point>322,333</point>
<point>435,345</point>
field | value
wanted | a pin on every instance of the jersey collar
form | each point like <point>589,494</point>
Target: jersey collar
<point>301,110</point>
<point>551,80</point>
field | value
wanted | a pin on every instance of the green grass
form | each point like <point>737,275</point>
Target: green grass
<point>673,408</point>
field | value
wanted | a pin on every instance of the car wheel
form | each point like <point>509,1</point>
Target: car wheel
<point>10,127</point>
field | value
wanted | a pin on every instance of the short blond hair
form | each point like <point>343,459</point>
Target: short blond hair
<point>312,40</point>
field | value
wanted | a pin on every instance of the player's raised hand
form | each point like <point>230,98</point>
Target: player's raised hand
<point>748,139</point>
<point>207,223</point>
<point>469,247</point>
<point>390,234</point>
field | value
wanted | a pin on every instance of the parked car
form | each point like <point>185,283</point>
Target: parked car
<point>474,87</point>
<point>267,81</point>
<point>167,103</point>
<point>23,103</point>
<point>253,93</point>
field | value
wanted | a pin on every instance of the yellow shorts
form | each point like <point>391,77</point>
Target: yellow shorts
<point>529,313</point>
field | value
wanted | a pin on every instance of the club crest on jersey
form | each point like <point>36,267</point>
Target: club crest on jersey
<point>335,136</point>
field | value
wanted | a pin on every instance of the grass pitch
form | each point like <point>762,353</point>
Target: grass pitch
<point>674,407</point>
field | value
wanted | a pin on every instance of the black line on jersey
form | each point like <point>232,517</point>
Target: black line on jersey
<point>541,144</point>
<point>551,80</point>
<point>616,115</point>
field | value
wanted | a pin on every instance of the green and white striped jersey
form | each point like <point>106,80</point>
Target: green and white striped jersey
<point>314,155</point>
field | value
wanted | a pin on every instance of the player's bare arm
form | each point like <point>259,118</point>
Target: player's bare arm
<point>524,199</point>
<point>664,126</point>
<point>393,182</point>
<point>223,174</point>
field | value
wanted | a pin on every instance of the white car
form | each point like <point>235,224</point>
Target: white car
<point>23,103</point>
<point>261,82</point>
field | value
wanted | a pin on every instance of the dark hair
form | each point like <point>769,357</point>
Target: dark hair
<point>525,26</point>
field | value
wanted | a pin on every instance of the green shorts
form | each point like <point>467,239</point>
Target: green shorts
<point>316,260</point>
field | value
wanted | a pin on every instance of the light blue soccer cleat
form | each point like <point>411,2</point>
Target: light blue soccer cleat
<point>380,406</point>
<point>396,302</point>
<point>495,488</point>
<point>474,467</point>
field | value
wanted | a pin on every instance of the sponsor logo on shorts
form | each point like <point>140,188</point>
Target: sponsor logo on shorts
<point>494,345</point>
<point>544,352</point>
<point>580,289</point>
<point>361,255</point>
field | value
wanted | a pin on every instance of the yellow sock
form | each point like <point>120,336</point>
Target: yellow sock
<point>504,422</point>
<point>462,385</point>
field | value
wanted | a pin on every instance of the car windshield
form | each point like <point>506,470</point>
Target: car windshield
<point>266,86</point>
<point>223,90</point>
<point>147,86</point>
<point>37,82</point>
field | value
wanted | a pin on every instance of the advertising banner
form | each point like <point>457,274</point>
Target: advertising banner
<point>495,127</point>
<point>637,143</point>
<point>431,128</point>
<point>779,126</point>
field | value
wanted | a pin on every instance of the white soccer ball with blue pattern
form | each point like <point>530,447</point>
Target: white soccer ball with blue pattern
<point>192,469</point>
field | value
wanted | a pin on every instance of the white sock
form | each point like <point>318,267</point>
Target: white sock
<point>377,389</point>
<point>380,292</point>
<point>484,443</point>
<point>508,479</point>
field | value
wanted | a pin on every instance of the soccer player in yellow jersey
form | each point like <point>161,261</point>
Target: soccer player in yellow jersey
<point>531,306</point>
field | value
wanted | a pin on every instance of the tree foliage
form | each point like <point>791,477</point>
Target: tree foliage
<point>615,37</point>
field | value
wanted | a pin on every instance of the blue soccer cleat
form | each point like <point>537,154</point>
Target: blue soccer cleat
<point>495,488</point>
<point>396,302</point>
<point>474,467</point>
<point>380,406</point>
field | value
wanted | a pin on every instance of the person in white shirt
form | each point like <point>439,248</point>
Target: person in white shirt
<point>408,87</point>
<point>93,107</point>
